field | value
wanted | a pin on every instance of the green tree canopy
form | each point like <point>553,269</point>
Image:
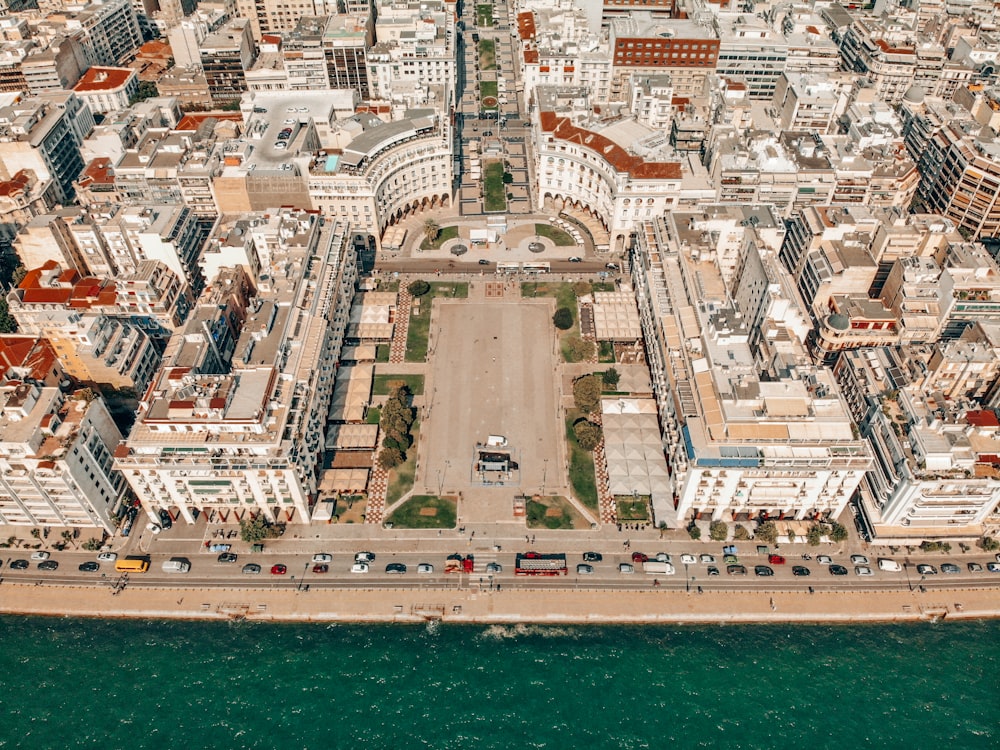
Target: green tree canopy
<point>586,393</point>
<point>563,319</point>
<point>815,535</point>
<point>588,434</point>
<point>838,532</point>
<point>611,378</point>
<point>740,533</point>
<point>390,458</point>
<point>257,529</point>
<point>767,532</point>
<point>418,288</point>
<point>718,531</point>
<point>694,531</point>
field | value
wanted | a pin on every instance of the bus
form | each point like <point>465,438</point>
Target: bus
<point>540,267</point>
<point>132,564</point>
<point>535,564</point>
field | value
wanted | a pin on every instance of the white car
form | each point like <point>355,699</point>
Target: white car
<point>154,527</point>
<point>322,557</point>
<point>40,555</point>
<point>688,559</point>
<point>863,570</point>
<point>884,563</point>
<point>824,560</point>
<point>626,568</point>
<point>708,559</point>
<point>280,145</point>
<point>662,557</point>
<point>107,557</point>
<point>359,568</point>
<point>425,568</point>
<point>859,560</point>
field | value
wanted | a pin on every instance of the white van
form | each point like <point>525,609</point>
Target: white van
<point>884,563</point>
<point>658,568</point>
<point>176,566</point>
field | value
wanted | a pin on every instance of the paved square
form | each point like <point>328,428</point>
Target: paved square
<point>493,372</point>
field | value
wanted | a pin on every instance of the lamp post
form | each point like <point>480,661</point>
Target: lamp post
<point>545,472</point>
<point>303,579</point>
<point>687,580</point>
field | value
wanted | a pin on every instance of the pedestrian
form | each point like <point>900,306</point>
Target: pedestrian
<point>656,582</point>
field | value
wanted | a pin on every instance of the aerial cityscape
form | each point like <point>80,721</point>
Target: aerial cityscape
<point>530,311</point>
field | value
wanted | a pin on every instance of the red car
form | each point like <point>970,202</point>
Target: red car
<point>776,559</point>
<point>640,557</point>
<point>278,570</point>
<point>322,568</point>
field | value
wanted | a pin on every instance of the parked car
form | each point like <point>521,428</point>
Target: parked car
<point>776,559</point>
<point>19,565</point>
<point>975,568</point>
<point>763,571</point>
<point>688,559</point>
<point>321,568</point>
<point>425,568</point>
<point>165,520</point>
<point>364,557</point>
<point>661,557</point>
<point>48,565</point>
<point>483,262</point>
<point>584,570</point>
<point>838,570</point>
<point>626,568</point>
<point>712,570</point>
<point>251,569</point>
<point>592,557</point>
<point>89,567</point>
<point>800,570</point>
<point>575,259</point>
<point>226,557</point>
<point>494,567</point>
<point>708,559</point>
<point>731,560</point>
<point>736,570</point>
<point>322,557</point>
<point>279,569</point>
<point>107,557</point>
<point>824,560</point>
<point>950,568</point>
<point>884,563</point>
<point>395,568</point>
<point>926,570</point>
<point>154,527</point>
<point>639,557</point>
<point>359,567</point>
<point>41,555</point>
<point>992,567</point>
<point>859,560</point>
<point>863,570</point>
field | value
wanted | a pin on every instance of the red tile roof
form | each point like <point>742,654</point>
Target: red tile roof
<point>68,289</point>
<point>526,25</point>
<point>31,353</point>
<point>16,185</point>
<point>194,120</point>
<point>98,172</point>
<point>611,152</point>
<point>103,79</point>
<point>982,418</point>
<point>531,56</point>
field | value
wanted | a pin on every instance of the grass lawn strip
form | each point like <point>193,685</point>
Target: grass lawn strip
<point>487,55</point>
<point>484,15</point>
<point>494,198</point>
<point>384,383</point>
<point>554,512</point>
<point>558,236</point>
<point>444,234</point>
<point>581,466</point>
<point>425,512</point>
<point>488,88</point>
<point>400,480</point>
<point>420,323</point>
<point>632,508</point>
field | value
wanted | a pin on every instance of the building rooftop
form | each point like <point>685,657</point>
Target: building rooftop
<point>103,79</point>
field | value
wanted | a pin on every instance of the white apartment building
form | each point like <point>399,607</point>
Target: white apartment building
<point>250,441</point>
<point>742,443</point>
<point>751,52</point>
<point>56,459</point>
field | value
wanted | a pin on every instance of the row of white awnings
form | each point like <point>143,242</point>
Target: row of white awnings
<point>352,393</point>
<point>633,448</point>
<point>372,316</point>
<point>616,317</point>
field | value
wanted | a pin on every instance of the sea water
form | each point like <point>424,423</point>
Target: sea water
<point>76,683</point>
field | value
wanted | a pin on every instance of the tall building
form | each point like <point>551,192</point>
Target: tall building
<point>56,459</point>
<point>226,55</point>
<point>346,40</point>
<point>250,441</point>
<point>751,52</point>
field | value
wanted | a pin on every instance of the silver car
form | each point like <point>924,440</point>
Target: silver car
<point>584,570</point>
<point>626,568</point>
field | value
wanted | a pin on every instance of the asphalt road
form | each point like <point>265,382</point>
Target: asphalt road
<point>207,572</point>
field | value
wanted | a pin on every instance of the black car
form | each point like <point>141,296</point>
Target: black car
<point>48,565</point>
<point>226,557</point>
<point>712,570</point>
<point>763,571</point>
<point>19,565</point>
<point>89,567</point>
<point>800,570</point>
<point>165,521</point>
<point>483,262</point>
<point>397,568</point>
<point>736,570</point>
<point>838,570</point>
<point>592,557</point>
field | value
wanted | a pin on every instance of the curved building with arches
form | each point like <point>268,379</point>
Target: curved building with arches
<point>585,170</point>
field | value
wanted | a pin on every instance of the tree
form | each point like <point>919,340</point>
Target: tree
<point>718,531</point>
<point>989,544</point>
<point>431,230</point>
<point>92,544</point>
<point>147,90</point>
<point>418,288</point>
<point>791,537</point>
<point>588,434</point>
<point>508,178</point>
<point>578,349</point>
<point>390,458</point>
<point>740,533</point>
<point>586,393</point>
<point>838,533</point>
<point>694,530</point>
<point>67,536</point>
<point>563,319</point>
<point>815,535</point>
<point>257,529</point>
<point>767,532</point>
<point>7,322</point>
<point>611,378</point>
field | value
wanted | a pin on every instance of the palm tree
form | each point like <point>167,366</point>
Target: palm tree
<point>431,230</point>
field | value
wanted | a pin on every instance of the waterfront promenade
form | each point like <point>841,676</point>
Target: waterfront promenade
<point>508,605</point>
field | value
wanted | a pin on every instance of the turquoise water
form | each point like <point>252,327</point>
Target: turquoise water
<point>152,684</point>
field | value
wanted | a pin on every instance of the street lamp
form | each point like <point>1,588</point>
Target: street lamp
<point>303,579</point>
<point>687,580</point>
<point>545,472</point>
